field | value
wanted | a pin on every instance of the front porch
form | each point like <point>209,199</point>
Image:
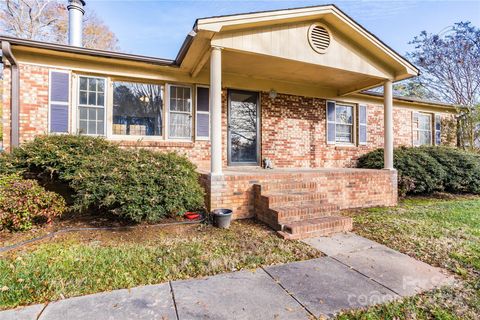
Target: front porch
<point>299,202</point>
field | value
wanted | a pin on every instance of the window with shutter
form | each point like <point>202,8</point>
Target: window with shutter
<point>362,124</point>
<point>203,113</point>
<point>331,127</point>
<point>438,129</point>
<point>58,102</point>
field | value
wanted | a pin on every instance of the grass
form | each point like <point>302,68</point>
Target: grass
<point>89,262</point>
<point>441,232</point>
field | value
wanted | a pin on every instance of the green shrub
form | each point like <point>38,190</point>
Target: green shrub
<point>23,202</point>
<point>59,156</point>
<point>424,170</point>
<point>6,165</point>
<point>463,169</point>
<point>138,184</point>
<point>134,184</point>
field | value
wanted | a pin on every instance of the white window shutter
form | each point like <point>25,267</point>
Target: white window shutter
<point>362,124</point>
<point>331,122</point>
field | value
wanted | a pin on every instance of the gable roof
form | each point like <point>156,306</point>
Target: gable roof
<point>217,24</point>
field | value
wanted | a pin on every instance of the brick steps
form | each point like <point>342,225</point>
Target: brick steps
<point>316,227</point>
<point>304,210</point>
<point>292,185</point>
<point>275,199</point>
<point>297,209</point>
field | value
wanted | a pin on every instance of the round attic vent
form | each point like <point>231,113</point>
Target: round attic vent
<point>319,38</point>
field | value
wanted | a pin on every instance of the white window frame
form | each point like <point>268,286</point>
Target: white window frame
<point>78,105</point>
<point>354,126</point>
<point>168,111</point>
<point>417,128</point>
<point>69,127</point>
<point>202,112</point>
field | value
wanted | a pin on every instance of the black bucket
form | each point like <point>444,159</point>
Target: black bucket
<point>222,218</point>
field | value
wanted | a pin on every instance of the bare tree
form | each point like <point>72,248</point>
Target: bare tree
<point>47,20</point>
<point>450,67</point>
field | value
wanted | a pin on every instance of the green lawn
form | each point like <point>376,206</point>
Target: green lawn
<point>89,262</point>
<point>441,232</point>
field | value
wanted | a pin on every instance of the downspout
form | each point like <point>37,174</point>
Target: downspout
<point>14,93</point>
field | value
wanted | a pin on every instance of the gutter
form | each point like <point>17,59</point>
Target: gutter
<point>87,51</point>
<point>409,99</point>
<point>184,48</point>
<point>14,93</point>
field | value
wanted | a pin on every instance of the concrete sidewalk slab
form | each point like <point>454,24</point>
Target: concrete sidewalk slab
<point>239,295</point>
<point>395,270</point>
<point>325,286</point>
<point>344,242</point>
<point>148,302</point>
<point>22,313</point>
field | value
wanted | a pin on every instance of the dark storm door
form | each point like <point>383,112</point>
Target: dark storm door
<point>243,118</point>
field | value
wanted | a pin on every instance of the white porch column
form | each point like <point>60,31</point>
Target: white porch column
<point>216,110</point>
<point>388,124</point>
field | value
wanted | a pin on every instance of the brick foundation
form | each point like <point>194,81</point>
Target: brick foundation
<point>348,188</point>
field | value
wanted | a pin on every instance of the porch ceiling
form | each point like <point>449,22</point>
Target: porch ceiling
<point>252,67</point>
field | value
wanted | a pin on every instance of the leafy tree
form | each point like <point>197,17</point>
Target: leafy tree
<point>450,71</point>
<point>47,20</point>
<point>412,88</point>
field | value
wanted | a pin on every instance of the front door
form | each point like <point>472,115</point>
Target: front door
<point>243,144</point>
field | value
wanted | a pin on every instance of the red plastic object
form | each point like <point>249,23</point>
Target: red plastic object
<point>191,215</point>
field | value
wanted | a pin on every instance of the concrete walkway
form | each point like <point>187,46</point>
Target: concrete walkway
<point>355,273</point>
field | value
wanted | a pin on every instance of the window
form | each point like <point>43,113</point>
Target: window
<point>180,112</point>
<point>91,105</point>
<point>422,129</point>
<point>137,109</point>
<point>343,123</point>
<point>203,114</point>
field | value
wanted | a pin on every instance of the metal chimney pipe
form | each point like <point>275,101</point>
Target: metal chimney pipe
<point>75,22</point>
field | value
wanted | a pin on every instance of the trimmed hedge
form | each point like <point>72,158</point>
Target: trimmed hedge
<point>24,202</point>
<point>134,184</point>
<point>138,184</point>
<point>59,156</point>
<point>424,170</point>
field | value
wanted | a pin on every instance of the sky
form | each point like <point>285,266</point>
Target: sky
<point>158,28</point>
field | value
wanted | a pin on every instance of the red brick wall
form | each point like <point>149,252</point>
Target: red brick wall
<point>33,101</point>
<point>292,127</point>
<point>349,188</point>
<point>294,133</point>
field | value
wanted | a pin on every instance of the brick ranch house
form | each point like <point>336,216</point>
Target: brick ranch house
<point>286,85</point>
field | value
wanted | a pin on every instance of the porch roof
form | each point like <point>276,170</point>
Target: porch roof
<point>275,45</point>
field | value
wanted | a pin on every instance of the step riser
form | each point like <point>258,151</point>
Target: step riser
<point>343,224</point>
<point>320,233</point>
<point>284,219</point>
<point>276,200</point>
<point>289,186</point>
